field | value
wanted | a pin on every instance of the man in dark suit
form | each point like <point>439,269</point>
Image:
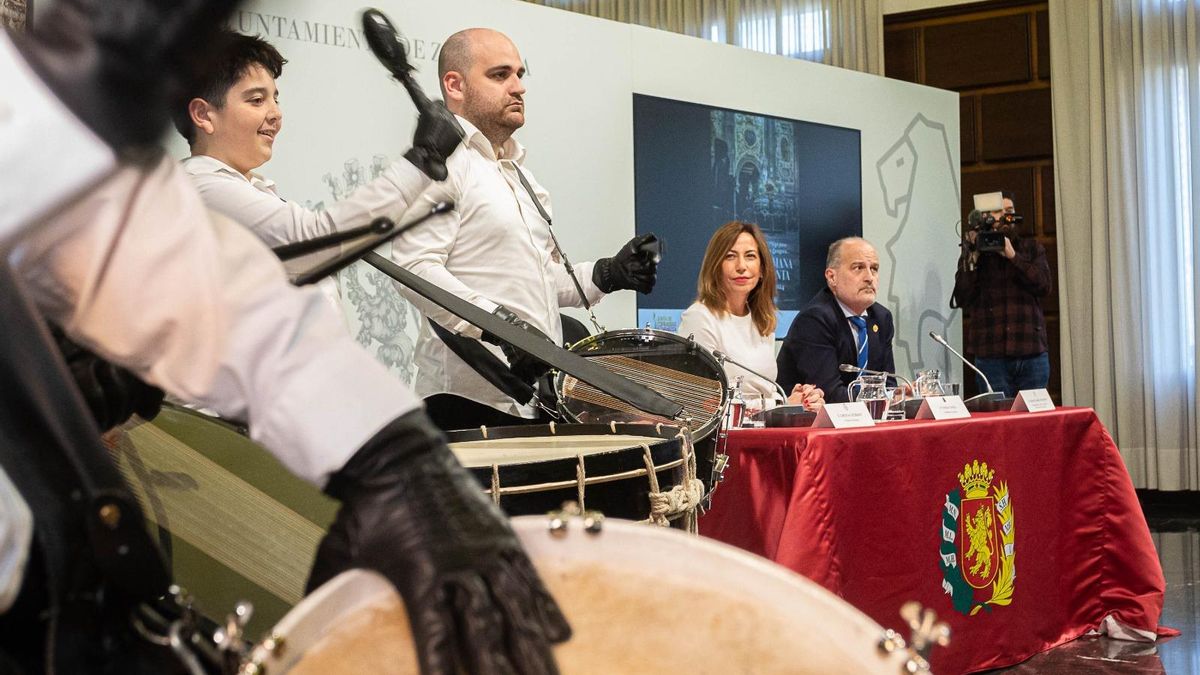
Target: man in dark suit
<point>841,324</point>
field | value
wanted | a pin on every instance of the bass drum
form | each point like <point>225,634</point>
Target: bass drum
<point>630,608</point>
<point>673,366</point>
<point>640,472</point>
<point>236,523</point>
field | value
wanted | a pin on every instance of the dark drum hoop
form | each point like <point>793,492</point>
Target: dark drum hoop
<point>649,337</point>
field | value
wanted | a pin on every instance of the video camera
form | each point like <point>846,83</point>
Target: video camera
<point>990,237</point>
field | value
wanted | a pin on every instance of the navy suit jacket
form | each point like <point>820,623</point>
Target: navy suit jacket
<point>820,339</point>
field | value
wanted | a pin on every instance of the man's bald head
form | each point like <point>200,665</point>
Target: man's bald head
<point>455,55</point>
<point>458,51</point>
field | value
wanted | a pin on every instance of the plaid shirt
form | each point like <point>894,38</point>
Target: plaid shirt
<point>1003,298</point>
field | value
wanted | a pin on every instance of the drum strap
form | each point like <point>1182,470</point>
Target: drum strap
<point>86,521</point>
<point>557,247</point>
<point>489,367</point>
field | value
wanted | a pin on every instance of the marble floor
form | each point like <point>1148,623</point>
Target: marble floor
<point>1174,521</point>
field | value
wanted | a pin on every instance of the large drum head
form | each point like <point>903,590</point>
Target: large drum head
<point>631,609</point>
<point>675,367</point>
<point>527,449</point>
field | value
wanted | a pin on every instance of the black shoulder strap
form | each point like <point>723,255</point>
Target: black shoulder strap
<point>51,450</point>
<point>554,239</point>
<point>484,362</point>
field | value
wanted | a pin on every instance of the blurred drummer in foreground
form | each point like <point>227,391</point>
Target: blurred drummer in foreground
<point>734,311</point>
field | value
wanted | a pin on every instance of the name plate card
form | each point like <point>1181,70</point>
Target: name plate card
<point>844,416</point>
<point>943,408</point>
<point>1033,400</point>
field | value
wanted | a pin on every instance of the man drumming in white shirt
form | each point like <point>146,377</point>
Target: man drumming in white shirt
<point>497,250</point>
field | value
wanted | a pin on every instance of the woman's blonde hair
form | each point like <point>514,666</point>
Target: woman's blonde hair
<point>710,288</point>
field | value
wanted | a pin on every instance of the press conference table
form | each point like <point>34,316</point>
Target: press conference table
<point>1034,550</point>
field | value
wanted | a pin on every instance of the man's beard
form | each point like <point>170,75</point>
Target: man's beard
<point>491,122</point>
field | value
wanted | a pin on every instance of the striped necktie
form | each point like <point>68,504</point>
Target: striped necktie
<point>861,324</point>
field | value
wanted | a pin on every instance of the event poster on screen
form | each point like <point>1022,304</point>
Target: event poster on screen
<point>697,167</point>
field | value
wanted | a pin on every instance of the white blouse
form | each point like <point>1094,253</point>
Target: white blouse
<point>737,337</point>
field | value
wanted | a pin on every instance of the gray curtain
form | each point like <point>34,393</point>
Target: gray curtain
<point>1126,102</point>
<point>843,33</point>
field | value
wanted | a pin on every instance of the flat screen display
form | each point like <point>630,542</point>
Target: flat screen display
<point>697,167</point>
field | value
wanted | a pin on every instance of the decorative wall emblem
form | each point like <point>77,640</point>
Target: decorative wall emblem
<point>379,318</point>
<point>383,318</point>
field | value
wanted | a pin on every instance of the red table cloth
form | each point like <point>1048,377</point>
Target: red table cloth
<point>1022,530</point>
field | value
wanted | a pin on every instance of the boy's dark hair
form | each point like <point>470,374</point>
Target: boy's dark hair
<point>233,55</point>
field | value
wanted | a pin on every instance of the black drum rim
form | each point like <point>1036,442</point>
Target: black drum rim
<point>650,336</point>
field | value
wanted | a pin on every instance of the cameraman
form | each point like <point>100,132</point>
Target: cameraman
<point>1001,279</point>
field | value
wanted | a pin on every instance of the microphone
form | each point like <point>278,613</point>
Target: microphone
<point>989,395</point>
<point>391,232</point>
<point>852,368</point>
<point>723,357</point>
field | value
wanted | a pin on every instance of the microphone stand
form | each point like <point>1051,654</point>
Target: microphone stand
<point>989,400</point>
<point>722,357</point>
<point>851,368</point>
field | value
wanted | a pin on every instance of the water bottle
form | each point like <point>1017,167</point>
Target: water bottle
<point>737,406</point>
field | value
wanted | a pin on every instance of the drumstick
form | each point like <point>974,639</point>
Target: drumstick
<point>384,41</point>
<point>651,248</point>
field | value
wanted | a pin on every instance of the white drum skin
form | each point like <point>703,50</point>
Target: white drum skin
<point>640,599</point>
<point>539,449</point>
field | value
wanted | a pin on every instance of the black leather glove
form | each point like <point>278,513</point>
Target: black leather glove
<point>634,267</point>
<point>520,363</point>
<point>118,64</point>
<point>436,138</point>
<point>412,513</point>
<point>112,393</point>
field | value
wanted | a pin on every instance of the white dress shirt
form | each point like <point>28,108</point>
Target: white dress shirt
<point>494,248</point>
<point>737,337</point>
<point>139,272</point>
<point>848,313</point>
<point>255,203</point>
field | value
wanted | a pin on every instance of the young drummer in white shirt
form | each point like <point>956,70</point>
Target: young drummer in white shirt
<point>231,118</point>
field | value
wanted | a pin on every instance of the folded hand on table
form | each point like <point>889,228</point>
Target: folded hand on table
<point>807,395</point>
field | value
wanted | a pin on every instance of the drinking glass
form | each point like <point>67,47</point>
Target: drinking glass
<point>755,405</point>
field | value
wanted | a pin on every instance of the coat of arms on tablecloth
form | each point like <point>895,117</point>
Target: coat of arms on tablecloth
<point>978,561</point>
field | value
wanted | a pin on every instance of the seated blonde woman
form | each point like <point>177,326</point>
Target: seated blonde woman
<point>734,312</point>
